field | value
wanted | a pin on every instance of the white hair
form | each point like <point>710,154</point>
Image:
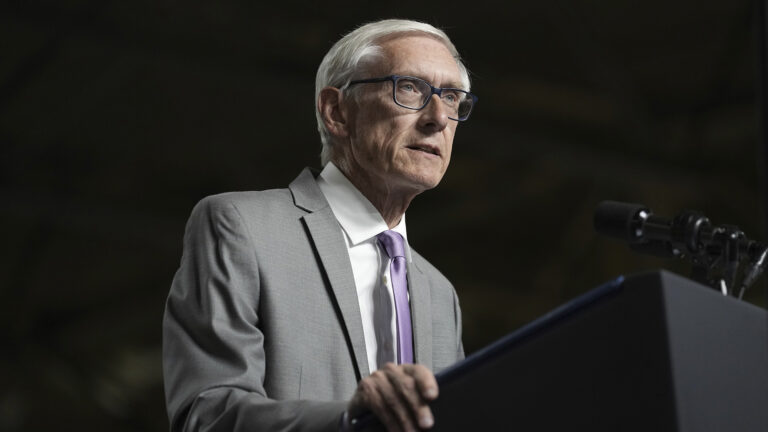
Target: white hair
<point>358,48</point>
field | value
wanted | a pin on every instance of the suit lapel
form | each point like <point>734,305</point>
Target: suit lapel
<point>421,315</point>
<point>329,243</point>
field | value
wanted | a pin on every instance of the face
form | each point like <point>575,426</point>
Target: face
<point>403,150</point>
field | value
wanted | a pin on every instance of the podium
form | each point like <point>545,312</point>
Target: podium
<point>653,352</point>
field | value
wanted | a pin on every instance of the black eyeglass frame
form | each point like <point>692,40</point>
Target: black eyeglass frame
<point>435,91</point>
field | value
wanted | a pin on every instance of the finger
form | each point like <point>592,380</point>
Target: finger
<point>386,403</point>
<point>404,382</point>
<point>398,402</point>
<point>384,413</point>
<point>425,380</point>
<point>405,385</point>
<point>427,388</point>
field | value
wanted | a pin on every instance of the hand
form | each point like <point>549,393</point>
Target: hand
<point>398,395</point>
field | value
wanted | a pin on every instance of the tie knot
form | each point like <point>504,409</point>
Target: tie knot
<point>393,243</point>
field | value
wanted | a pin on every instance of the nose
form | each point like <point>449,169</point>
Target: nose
<point>434,116</point>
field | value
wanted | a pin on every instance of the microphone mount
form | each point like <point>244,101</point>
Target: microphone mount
<point>722,256</point>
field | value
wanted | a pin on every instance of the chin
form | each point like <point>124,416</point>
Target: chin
<point>422,182</point>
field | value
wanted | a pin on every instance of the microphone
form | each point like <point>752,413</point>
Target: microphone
<point>636,224</point>
<point>712,249</point>
<point>688,232</point>
<point>623,221</point>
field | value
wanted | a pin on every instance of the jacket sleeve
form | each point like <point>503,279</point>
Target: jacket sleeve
<point>213,348</point>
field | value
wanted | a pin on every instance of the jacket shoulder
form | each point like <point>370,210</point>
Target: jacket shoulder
<point>250,205</point>
<point>247,199</point>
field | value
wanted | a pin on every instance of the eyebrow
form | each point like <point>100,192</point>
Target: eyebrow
<point>450,84</point>
<point>454,85</point>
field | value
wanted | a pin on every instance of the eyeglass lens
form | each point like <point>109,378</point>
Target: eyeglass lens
<point>415,93</point>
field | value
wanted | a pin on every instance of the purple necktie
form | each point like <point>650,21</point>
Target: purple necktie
<point>393,244</point>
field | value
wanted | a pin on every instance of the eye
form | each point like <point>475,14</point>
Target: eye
<point>451,97</point>
<point>407,86</point>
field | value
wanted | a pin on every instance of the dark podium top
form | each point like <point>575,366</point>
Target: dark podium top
<point>654,352</point>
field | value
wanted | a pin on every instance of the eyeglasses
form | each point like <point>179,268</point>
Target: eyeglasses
<point>415,93</point>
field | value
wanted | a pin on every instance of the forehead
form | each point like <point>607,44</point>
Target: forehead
<point>421,56</point>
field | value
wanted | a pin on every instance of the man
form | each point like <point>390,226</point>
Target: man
<point>301,308</point>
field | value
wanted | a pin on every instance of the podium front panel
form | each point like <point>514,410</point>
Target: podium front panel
<point>656,352</point>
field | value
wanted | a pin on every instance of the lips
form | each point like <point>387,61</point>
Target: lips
<point>426,148</point>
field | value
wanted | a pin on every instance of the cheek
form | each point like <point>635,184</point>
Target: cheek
<point>388,136</point>
<point>448,139</point>
<point>399,131</point>
<point>368,138</point>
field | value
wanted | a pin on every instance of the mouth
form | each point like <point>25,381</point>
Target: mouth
<point>425,148</point>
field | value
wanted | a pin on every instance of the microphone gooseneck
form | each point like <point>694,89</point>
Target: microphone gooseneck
<point>717,253</point>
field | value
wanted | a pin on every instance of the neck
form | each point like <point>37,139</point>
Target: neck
<point>388,200</point>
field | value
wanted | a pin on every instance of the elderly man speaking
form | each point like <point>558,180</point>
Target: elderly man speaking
<point>301,308</point>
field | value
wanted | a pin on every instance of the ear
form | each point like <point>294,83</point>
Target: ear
<point>330,104</point>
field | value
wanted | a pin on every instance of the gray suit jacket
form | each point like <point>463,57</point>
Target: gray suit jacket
<point>262,328</point>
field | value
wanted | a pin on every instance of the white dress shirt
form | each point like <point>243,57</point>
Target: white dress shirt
<point>361,223</point>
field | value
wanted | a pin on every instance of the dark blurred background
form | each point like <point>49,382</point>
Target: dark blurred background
<point>117,117</point>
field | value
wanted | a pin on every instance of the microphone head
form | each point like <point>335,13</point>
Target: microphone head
<point>620,220</point>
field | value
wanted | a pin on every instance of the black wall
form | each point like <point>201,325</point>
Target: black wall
<point>117,117</point>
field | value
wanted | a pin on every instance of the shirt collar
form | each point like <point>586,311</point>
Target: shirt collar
<point>357,216</point>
